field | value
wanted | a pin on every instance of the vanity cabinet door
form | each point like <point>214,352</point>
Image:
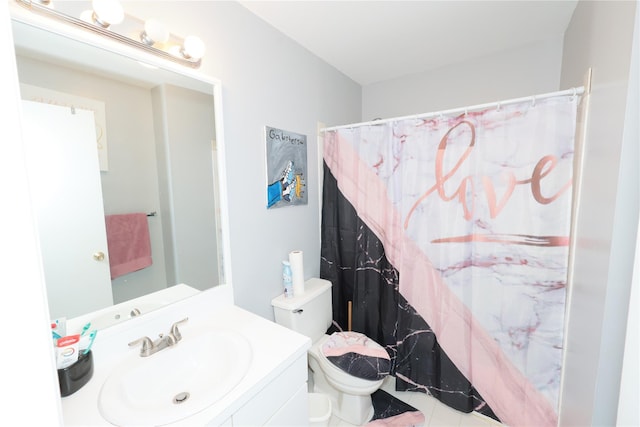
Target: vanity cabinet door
<point>283,402</point>
<point>295,412</point>
<point>64,175</point>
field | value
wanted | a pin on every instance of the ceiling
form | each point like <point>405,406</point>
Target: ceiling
<point>373,41</point>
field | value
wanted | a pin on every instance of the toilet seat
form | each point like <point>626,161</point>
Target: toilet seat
<point>358,355</point>
<point>337,377</point>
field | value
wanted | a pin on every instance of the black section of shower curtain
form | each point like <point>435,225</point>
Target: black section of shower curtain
<point>353,259</point>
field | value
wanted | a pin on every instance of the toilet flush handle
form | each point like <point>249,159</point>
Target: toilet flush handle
<point>298,311</point>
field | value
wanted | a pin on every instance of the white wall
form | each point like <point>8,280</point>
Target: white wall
<point>529,70</point>
<point>600,36</point>
<point>628,411</point>
<point>267,80</point>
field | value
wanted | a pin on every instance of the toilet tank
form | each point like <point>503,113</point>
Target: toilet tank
<point>310,313</point>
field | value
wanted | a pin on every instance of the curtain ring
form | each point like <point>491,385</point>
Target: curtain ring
<point>499,106</point>
<point>533,101</point>
<point>574,93</point>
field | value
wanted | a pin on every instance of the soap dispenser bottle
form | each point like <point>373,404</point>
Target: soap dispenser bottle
<point>287,280</point>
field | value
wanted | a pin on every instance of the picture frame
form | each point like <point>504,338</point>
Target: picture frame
<point>286,155</point>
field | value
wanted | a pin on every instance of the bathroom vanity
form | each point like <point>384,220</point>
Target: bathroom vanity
<point>271,391</point>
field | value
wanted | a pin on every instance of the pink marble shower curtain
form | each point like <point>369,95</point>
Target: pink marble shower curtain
<point>474,214</point>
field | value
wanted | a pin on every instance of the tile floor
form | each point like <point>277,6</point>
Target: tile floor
<point>435,413</point>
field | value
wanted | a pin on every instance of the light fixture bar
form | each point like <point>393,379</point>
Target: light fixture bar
<point>41,9</point>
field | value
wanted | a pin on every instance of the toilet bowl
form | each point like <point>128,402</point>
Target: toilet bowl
<point>339,378</point>
<point>350,396</point>
<point>311,315</point>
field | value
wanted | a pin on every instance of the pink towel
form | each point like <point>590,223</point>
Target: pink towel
<point>129,243</point>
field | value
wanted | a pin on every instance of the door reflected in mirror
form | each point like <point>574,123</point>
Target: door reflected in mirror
<point>153,155</point>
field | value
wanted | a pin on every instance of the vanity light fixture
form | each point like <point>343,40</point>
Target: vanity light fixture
<point>192,48</point>
<point>107,18</point>
<point>154,32</point>
<point>107,12</point>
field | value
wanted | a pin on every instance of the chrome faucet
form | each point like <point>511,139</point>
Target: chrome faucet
<point>150,347</point>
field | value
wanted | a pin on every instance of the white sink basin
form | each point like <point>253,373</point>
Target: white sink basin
<point>175,382</point>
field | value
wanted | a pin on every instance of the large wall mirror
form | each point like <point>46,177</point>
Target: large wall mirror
<point>155,151</point>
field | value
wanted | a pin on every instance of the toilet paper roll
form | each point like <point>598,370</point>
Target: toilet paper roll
<point>297,272</point>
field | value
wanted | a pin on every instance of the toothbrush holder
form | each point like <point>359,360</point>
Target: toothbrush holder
<point>73,377</point>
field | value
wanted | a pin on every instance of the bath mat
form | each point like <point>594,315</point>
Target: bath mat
<point>391,412</point>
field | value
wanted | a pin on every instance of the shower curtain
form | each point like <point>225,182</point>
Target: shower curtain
<point>450,236</point>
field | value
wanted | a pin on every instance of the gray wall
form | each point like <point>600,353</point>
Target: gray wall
<point>529,70</point>
<point>267,80</point>
<point>185,133</point>
<point>600,37</point>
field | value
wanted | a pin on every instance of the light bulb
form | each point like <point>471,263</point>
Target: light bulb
<point>107,12</point>
<point>154,32</point>
<point>193,48</point>
<point>87,16</point>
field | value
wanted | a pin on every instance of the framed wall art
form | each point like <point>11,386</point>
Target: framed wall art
<point>286,168</point>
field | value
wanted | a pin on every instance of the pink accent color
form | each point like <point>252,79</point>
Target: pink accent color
<point>341,343</point>
<point>129,243</point>
<point>406,419</point>
<point>513,239</point>
<point>507,391</point>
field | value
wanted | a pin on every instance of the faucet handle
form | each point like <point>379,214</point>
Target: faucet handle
<point>175,331</point>
<point>147,345</point>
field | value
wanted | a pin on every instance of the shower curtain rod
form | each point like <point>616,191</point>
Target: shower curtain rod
<point>573,91</point>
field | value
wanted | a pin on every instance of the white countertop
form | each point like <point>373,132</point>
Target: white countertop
<point>274,349</point>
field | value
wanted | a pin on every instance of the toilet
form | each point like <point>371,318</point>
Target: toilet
<point>340,364</point>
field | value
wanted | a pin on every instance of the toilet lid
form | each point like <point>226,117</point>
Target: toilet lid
<point>358,355</point>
